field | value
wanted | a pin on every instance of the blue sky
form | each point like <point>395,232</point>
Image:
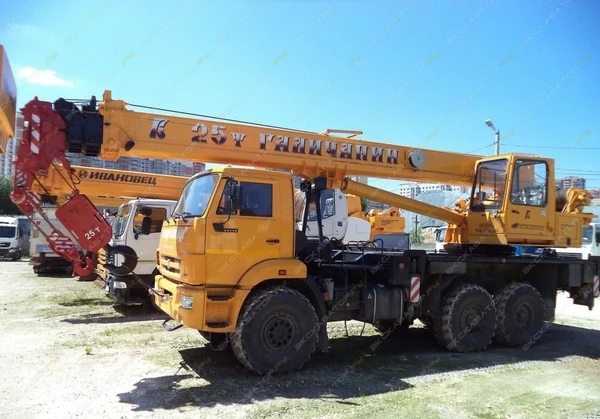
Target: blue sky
<point>417,73</point>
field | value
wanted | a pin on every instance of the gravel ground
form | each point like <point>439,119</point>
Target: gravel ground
<point>67,352</point>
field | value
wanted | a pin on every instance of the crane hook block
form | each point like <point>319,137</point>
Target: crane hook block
<point>81,218</point>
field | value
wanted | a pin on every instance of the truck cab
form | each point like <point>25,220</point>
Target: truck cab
<point>137,225</point>
<point>336,223</point>
<point>440,237</point>
<point>11,238</point>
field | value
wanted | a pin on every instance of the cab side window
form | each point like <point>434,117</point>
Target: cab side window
<point>257,199</point>
<point>530,183</point>
<point>157,217</point>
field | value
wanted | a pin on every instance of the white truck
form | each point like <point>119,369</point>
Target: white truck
<point>440,236</point>
<point>590,245</point>
<point>137,225</point>
<point>14,237</point>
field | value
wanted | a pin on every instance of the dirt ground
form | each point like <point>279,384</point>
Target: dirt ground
<point>66,352</point>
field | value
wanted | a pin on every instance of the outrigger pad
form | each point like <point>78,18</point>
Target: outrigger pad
<point>130,260</point>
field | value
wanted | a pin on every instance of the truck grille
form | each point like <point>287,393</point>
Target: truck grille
<point>4,244</point>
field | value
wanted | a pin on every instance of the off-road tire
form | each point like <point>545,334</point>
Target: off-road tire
<point>460,310</point>
<point>521,303</point>
<point>280,310</point>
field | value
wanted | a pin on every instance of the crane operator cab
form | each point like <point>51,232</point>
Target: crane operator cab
<point>512,202</point>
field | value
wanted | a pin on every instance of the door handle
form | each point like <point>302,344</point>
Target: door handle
<point>272,240</point>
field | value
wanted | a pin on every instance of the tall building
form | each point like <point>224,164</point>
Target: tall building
<point>198,167</point>
<point>571,182</point>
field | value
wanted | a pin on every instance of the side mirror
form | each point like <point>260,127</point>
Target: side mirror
<point>233,196</point>
<point>146,225</point>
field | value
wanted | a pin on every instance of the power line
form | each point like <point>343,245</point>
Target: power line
<point>481,148</point>
<point>578,170</point>
<point>554,147</point>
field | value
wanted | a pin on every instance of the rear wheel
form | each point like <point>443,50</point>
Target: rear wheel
<point>468,319</point>
<point>520,313</point>
<point>277,331</point>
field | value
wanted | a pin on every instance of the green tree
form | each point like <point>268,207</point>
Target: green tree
<point>7,207</point>
<point>416,236</point>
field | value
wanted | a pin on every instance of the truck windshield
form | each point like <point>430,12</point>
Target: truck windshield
<point>441,235</point>
<point>120,222</point>
<point>196,196</point>
<point>489,187</point>
<point>588,231</point>
<point>8,232</point>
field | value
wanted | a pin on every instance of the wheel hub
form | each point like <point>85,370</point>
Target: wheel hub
<point>523,316</point>
<point>472,320</point>
<point>279,333</point>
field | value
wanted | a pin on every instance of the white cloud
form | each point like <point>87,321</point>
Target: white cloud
<point>43,77</point>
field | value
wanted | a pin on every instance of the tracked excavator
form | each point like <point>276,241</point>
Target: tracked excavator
<point>233,263</point>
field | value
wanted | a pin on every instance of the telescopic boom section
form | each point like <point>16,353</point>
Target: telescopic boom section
<point>115,131</point>
<point>108,184</point>
<point>108,130</point>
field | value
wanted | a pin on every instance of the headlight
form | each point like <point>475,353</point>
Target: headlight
<point>186,302</point>
<point>119,285</point>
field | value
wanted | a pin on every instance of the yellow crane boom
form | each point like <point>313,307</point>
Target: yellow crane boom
<point>110,185</point>
<point>8,101</point>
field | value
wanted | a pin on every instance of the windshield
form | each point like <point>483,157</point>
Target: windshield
<point>327,203</point>
<point>8,232</point>
<point>587,235</point>
<point>489,187</point>
<point>196,196</point>
<point>120,221</point>
<point>441,235</point>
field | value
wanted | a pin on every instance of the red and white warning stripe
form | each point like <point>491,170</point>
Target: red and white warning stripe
<point>415,289</point>
<point>35,134</point>
<point>596,286</point>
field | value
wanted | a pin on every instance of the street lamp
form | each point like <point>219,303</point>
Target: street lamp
<point>490,124</point>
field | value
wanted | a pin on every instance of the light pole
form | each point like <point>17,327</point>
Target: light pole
<point>490,124</point>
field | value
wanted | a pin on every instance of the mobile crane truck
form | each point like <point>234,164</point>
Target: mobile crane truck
<point>233,264</point>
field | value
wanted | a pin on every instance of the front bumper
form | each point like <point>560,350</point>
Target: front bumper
<point>190,306</point>
<point>170,302</point>
<point>10,252</point>
<point>126,289</point>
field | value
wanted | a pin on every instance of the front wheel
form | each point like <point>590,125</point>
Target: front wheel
<point>277,331</point>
